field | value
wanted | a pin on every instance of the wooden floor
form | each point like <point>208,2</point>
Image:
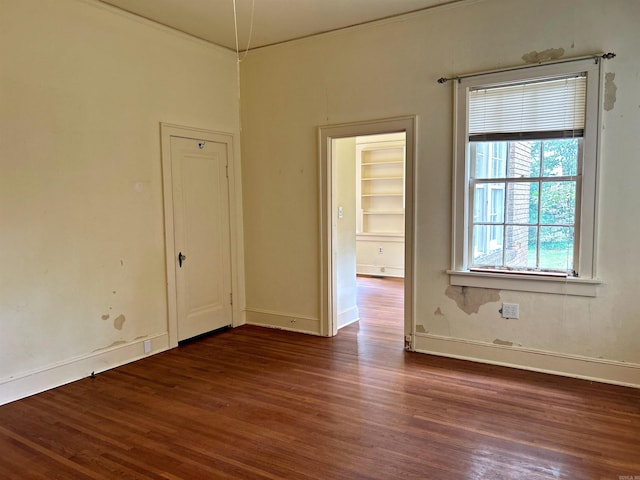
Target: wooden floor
<point>268,404</point>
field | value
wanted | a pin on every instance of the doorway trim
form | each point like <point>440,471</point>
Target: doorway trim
<point>329,215</point>
<point>167,131</point>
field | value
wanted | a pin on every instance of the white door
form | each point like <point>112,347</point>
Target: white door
<point>201,232</point>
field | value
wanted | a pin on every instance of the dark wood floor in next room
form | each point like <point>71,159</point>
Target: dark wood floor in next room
<point>255,403</point>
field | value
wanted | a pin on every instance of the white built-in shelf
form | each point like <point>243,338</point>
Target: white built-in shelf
<point>382,195</point>
<point>383,212</point>
<point>381,178</point>
<point>380,188</point>
<point>392,162</point>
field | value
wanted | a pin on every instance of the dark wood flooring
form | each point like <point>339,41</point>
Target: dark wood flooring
<point>255,403</point>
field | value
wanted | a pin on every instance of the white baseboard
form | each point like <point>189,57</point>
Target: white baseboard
<point>375,270</point>
<point>348,316</point>
<point>283,321</point>
<point>594,369</point>
<point>61,373</point>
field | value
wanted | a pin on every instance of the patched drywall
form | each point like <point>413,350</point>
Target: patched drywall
<point>470,299</point>
<point>610,91</point>
<point>543,56</point>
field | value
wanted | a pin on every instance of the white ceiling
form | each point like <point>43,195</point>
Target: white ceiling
<point>274,21</point>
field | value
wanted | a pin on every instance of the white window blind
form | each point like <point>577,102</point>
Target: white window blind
<point>535,109</point>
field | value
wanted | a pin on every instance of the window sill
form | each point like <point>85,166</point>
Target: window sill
<point>525,283</point>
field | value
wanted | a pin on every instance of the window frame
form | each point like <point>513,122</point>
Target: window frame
<point>586,199</point>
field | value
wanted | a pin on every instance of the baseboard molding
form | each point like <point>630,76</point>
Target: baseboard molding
<point>30,383</point>
<point>283,321</point>
<point>593,369</point>
<point>378,271</point>
<point>348,316</point>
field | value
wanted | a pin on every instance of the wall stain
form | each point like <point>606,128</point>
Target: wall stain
<point>497,341</point>
<point>438,312</point>
<point>105,316</point>
<point>543,56</point>
<point>118,322</point>
<point>118,342</point>
<point>610,90</point>
<point>420,329</point>
<point>470,299</point>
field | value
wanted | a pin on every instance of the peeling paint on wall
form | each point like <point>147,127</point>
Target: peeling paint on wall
<point>497,341</point>
<point>438,312</point>
<point>543,56</point>
<point>610,91</point>
<point>470,299</point>
<point>420,329</point>
<point>105,316</point>
<point>118,322</point>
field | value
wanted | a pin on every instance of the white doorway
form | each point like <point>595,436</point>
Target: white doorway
<point>198,231</point>
<point>330,215</point>
<point>369,192</point>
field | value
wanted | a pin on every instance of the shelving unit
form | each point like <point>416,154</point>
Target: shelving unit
<point>380,178</point>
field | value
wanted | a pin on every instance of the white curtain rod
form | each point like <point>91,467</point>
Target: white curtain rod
<point>595,57</point>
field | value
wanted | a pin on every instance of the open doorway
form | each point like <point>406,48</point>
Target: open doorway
<point>375,220</point>
<point>369,180</point>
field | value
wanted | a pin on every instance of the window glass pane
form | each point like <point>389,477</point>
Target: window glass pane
<point>488,203</point>
<point>487,245</point>
<point>524,159</point>
<point>560,157</point>
<point>489,159</point>
<point>520,247</point>
<point>479,159</point>
<point>480,204</point>
<point>558,203</point>
<point>522,202</point>
<point>556,248</point>
<point>498,160</point>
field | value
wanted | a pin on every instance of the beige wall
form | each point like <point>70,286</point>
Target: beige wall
<point>391,69</point>
<point>83,89</point>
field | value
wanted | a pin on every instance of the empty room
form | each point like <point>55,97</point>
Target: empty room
<point>177,296</point>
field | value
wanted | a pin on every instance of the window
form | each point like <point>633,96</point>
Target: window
<point>525,178</point>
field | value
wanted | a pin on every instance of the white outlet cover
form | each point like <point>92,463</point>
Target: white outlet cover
<point>510,310</point>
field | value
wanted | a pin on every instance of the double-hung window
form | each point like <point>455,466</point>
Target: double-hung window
<point>525,178</point>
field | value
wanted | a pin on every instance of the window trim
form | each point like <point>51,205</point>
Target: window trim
<point>587,200</point>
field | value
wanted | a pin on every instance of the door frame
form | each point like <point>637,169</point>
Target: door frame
<point>328,215</point>
<point>167,131</point>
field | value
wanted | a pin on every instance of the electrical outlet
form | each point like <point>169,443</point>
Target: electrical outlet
<point>510,310</point>
<point>147,346</point>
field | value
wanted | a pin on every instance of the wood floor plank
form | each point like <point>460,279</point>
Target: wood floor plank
<point>255,403</point>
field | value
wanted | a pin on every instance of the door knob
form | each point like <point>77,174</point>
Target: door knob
<point>181,258</point>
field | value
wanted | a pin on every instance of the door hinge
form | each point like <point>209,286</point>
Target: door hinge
<point>231,298</point>
<point>227,170</point>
